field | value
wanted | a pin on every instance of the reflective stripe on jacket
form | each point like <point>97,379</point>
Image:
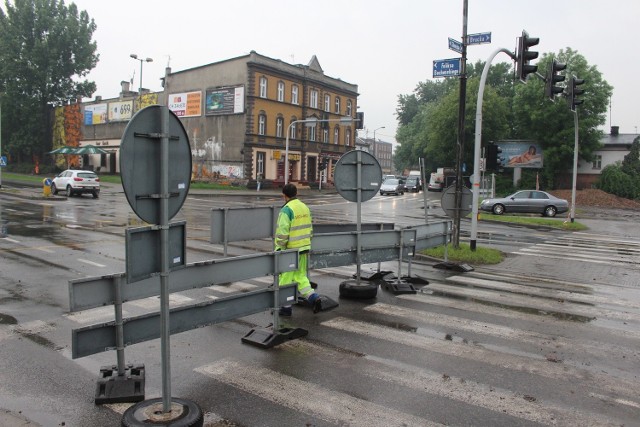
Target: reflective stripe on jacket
<point>294,226</point>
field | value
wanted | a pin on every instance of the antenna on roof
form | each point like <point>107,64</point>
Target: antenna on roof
<point>168,61</point>
<point>133,75</point>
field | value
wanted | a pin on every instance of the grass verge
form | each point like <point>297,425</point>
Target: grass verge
<point>527,220</point>
<point>465,254</point>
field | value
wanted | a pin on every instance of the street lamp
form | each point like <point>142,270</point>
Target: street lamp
<point>134,56</point>
<point>309,123</point>
<point>375,150</point>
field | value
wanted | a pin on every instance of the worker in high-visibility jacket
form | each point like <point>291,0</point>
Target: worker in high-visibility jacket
<point>294,231</point>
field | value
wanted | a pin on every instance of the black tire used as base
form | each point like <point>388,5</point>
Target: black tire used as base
<point>354,290</point>
<point>191,414</point>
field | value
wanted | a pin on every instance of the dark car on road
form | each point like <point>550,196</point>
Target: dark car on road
<point>413,184</point>
<point>526,201</point>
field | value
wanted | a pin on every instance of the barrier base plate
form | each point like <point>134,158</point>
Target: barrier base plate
<point>114,388</point>
<point>400,287</point>
<point>267,338</point>
<point>463,268</point>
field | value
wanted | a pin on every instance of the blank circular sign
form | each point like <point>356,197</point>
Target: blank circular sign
<point>140,163</point>
<point>345,176</point>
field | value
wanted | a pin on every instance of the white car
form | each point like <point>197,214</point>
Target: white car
<point>76,182</point>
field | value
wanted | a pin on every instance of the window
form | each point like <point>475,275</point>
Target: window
<point>281,91</point>
<point>337,105</point>
<point>262,124</point>
<point>263,87</point>
<point>325,136</point>
<point>312,133</point>
<point>347,138</point>
<point>313,98</point>
<point>349,108</point>
<point>336,135</point>
<point>327,103</point>
<point>260,156</point>
<point>279,127</point>
<point>597,161</point>
<point>294,94</point>
<point>292,132</point>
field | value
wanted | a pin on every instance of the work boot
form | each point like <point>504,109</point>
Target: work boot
<point>286,311</point>
<point>315,301</point>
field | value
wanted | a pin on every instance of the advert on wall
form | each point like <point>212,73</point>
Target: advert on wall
<point>188,104</point>
<point>120,111</point>
<point>224,100</point>
<point>95,114</point>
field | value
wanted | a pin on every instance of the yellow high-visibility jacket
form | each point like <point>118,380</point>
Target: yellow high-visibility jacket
<point>294,228</point>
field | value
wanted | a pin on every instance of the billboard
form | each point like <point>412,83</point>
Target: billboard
<point>188,104</point>
<point>120,111</point>
<point>95,114</point>
<point>521,154</point>
<point>224,100</point>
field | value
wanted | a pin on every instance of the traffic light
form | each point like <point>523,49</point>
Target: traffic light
<point>574,91</point>
<point>550,88</point>
<point>523,68</point>
<point>492,157</point>
<point>499,158</point>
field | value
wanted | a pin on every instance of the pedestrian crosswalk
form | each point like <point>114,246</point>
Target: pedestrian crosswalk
<point>588,247</point>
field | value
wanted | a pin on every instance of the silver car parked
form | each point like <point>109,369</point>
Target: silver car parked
<point>526,201</point>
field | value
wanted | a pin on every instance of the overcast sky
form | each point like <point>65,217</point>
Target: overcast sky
<point>384,47</point>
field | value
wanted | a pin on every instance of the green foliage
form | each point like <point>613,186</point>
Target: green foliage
<point>615,180</point>
<point>428,118</point>
<point>631,162</point>
<point>46,49</point>
<point>528,220</point>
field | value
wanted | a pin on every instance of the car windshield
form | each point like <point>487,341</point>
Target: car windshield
<point>391,181</point>
<point>412,180</point>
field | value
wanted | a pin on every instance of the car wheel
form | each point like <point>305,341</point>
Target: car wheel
<point>498,209</point>
<point>550,211</point>
<point>95,194</point>
<point>54,190</point>
<point>145,413</point>
<point>69,192</point>
<point>354,290</point>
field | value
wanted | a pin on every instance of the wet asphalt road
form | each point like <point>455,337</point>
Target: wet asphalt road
<point>548,337</point>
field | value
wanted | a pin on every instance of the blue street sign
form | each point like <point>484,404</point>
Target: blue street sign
<point>455,45</point>
<point>446,67</point>
<point>3,161</point>
<point>479,38</point>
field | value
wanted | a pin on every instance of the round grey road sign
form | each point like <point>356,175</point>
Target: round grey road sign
<point>140,163</point>
<point>448,201</point>
<point>345,176</point>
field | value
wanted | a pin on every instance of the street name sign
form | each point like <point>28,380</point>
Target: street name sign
<point>446,67</point>
<point>479,38</point>
<point>455,45</point>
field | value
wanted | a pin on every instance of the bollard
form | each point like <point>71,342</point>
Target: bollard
<point>46,187</point>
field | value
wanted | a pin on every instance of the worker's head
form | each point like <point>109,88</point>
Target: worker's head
<point>290,191</point>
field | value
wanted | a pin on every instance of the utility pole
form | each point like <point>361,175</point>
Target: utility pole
<point>461,120</point>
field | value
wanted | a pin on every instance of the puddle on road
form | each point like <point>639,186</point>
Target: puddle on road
<point>5,319</point>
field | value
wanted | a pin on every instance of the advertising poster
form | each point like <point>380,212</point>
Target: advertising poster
<point>521,154</point>
<point>188,104</point>
<point>224,100</point>
<point>95,114</point>
<point>120,111</point>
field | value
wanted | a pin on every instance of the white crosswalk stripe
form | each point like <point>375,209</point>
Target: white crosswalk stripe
<point>587,247</point>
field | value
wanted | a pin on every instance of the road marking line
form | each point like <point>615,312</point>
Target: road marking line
<point>234,287</point>
<point>328,405</point>
<point>86,261</point>
<point>8,239</point>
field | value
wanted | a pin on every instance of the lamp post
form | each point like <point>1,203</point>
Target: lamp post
<point>375,151</point>
<point>308,122</point>
<point>134,56</point>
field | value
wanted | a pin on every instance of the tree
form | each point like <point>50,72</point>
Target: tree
<point>552,123</point>
<point>631,162</point>
<point>46,49</point>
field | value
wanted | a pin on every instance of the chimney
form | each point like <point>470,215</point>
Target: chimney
<point>125,86</point>
<point>615,130</point>
<point>98,98</point>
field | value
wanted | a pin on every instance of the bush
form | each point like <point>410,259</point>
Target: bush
<point>613,180</point>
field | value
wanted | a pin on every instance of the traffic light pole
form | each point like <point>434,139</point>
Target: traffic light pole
<point>575,167</point>
<point>478,146</point>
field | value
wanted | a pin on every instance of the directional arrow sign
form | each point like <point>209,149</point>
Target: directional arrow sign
<point>3,161</point>
<point>479,38</point>
<point>446,67</point>
<point>455,45</point>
